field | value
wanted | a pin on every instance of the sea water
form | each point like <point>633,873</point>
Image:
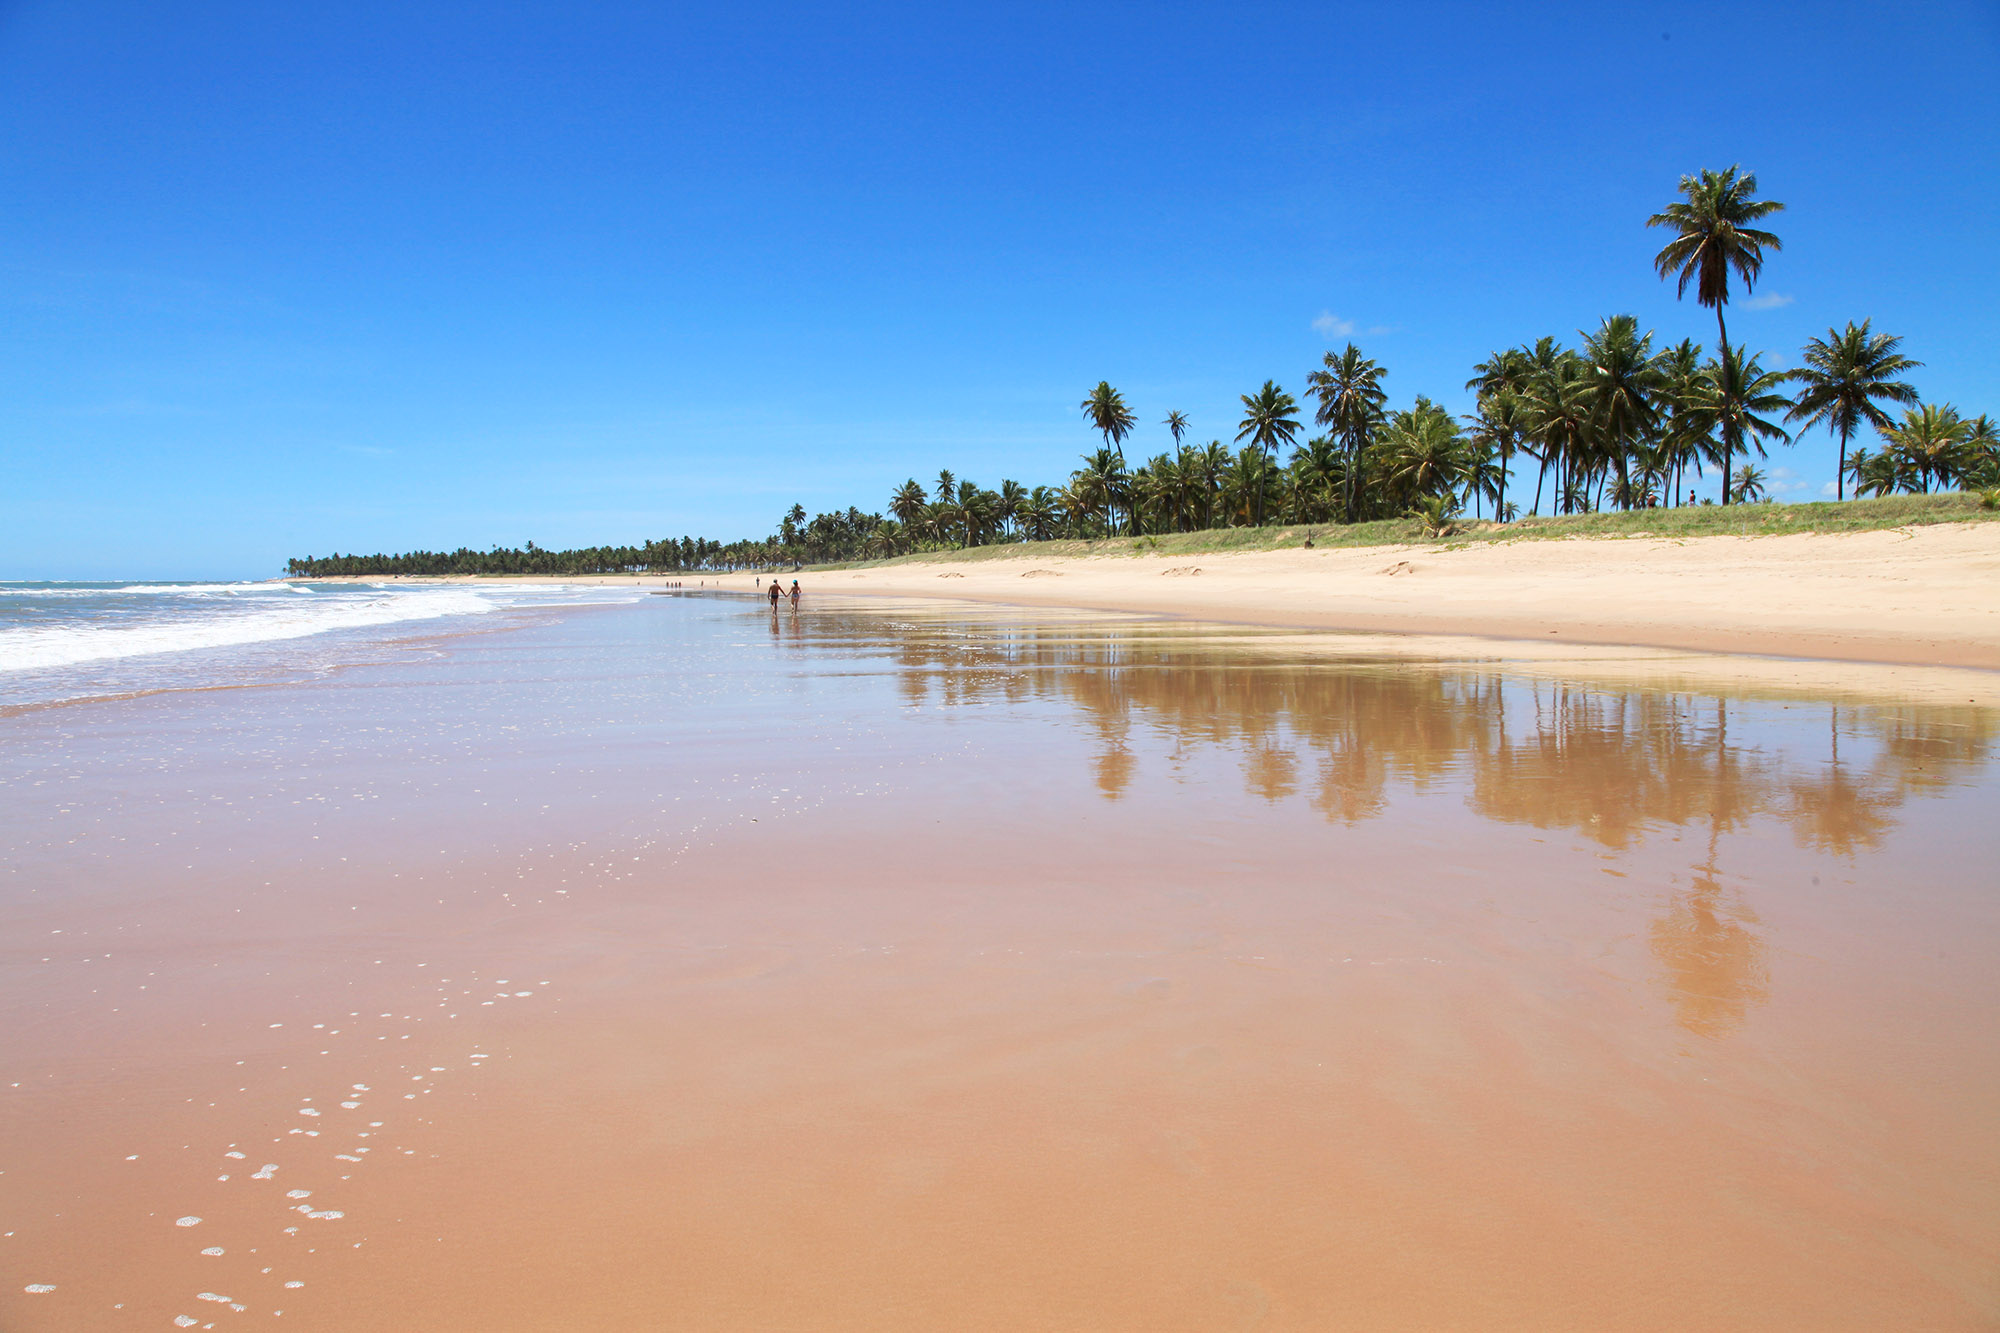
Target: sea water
<point>66,641</point>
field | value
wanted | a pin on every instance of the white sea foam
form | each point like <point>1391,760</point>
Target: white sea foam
<point>32,647</point>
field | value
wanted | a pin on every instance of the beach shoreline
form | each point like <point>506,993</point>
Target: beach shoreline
<point>1926,596</point>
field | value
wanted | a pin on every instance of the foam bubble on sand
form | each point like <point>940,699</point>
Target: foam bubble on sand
<point>185,1321</point>
<point>39,1288</point>
<point>187,1221</point>
<point>308,1110</point>
<point>294,1285</point>
<point>361,1087</point>
<point>330,1215</point>
<point>298,1194</point>
<point>237,1155</point>
<point>210,1296</point>
<point>214,1251</point>
<point>350,1106</point>
<point>270,1169</point>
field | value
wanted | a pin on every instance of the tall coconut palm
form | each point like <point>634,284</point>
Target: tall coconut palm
<point>1844,374</point>
<point>1176,422</point>
<point>1739,393</point>
<point>1713,238</point>
<point>947,487</point>
<point>1269,419</point>
<point>1349,389</point>
<point>1106,411</point>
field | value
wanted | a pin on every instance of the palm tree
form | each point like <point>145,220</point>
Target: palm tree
<point>1423,453</point>
<point>1176,422</point>
<point>947,486</point>
<point>1622,383</point>
<point>908,502</point>
<point>1350,395</point>
<point>1499,425</point>
<point>1268,420</point>
<point>1749,484</point>
<point>1931,442</point>
<point>1214,464</point>
<point>1685,437</point>
<point>1558,407</point>
<point>1039,514</point>
<point>1845,372</point>
<point>1318,470</point>
<point>1738,390</point>
<point>1712,236</point>
<point>884,540</point>
<point>1012,496</point>
<point>1106,411</point>
<point>1982,454</point>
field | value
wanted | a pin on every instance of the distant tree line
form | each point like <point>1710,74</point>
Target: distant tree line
<point>1613,422</point>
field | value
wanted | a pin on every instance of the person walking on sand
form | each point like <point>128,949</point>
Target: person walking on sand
<point>776,593</point>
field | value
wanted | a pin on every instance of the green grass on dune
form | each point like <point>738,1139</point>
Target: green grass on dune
<point>1755,520</point>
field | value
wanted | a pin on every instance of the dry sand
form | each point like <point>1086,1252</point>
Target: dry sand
<point>1920,596</point>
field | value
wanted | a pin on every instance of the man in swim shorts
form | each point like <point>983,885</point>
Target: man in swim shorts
<point>776,593</point>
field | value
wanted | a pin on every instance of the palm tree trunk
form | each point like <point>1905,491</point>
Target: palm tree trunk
<point>1840,477</point>
<point>1722,331</point>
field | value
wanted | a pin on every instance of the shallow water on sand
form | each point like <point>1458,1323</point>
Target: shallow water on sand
<point>896,966</point>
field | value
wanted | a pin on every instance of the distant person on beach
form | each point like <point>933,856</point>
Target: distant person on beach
<point>776,593</point>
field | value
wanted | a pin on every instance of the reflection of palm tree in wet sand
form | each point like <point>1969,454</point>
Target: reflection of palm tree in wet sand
<point>1714,959</point>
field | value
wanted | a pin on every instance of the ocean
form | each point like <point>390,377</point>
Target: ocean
<point>68,641</point>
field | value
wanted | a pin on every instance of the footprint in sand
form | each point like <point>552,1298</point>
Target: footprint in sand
<point>1042,574</point>
<point>1400,567</point>
<point>951,576</point>
<point>1178,570</point>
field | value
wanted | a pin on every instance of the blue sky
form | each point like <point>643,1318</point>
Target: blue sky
<point>281,280</point>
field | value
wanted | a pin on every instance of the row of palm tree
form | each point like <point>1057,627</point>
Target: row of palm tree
<point>1615,421</point>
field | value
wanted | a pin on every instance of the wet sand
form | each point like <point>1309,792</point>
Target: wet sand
<point>923,967</point>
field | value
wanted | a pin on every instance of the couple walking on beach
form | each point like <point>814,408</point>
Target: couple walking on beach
<point>777,592</point>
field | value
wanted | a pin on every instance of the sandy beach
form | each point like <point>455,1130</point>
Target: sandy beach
<point>1920,596</point>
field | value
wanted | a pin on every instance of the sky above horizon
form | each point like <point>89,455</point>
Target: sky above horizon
<point>281,281</point>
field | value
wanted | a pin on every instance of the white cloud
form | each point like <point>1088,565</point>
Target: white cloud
<point>1768,301</point>
<point>1330,325</point>
<point>1826,488</point>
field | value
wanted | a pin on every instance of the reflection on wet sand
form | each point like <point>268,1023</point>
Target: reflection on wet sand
<point>1610,763</point>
